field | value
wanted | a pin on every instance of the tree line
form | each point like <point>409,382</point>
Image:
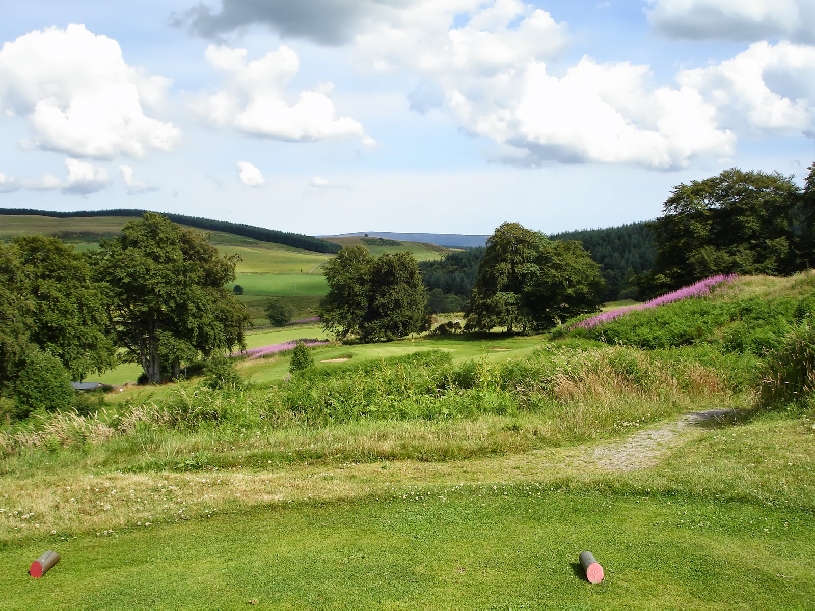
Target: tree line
<point>154,295</point>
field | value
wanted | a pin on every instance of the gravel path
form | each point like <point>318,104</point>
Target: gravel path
<point>645,448</point>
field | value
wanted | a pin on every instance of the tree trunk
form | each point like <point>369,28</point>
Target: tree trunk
<point>154,371</point>
<point>176,369</point>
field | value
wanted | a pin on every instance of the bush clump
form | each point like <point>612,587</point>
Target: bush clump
<point>220,373</point>
<point>301,358</point>
<point>43,383</point>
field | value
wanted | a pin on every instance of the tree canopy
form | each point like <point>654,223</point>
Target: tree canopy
<point>374,299</point>
<point>528,282</point>
<point>68,313</point>
<point>736,222</point>
<point>50,306</point>
<point>167,299</point>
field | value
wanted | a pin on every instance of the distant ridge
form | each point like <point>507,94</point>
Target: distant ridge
<point>296,240</point>
<point>451,240</point>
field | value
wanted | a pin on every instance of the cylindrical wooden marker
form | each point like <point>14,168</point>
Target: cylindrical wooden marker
<point>42,564</point>
<point>594,572</point>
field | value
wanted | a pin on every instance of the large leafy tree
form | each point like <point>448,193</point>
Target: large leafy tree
<point>397,300</point>
<point>67,307</point>
<point>736,222</point>
<point>167,298</point>
<point>348,275</point>
<point>528,282</point>
<point>564,282</point>
<point>509,258</point>
<point>16,315</point>
<point>374,299</point>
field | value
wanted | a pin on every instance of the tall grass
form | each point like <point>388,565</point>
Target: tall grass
<point>789,371</point>
<point>572,391</point>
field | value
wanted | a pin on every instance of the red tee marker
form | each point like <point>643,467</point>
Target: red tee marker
<point>594,572</point>
<point>42,564</point>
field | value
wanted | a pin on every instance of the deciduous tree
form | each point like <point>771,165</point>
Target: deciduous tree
<point>68,308</point>
<point>528,282</point>
<point>397,301</point>
<point>348,275</point>
<point>374,299</point>
<point>167,297</point>
<point>736,222</point>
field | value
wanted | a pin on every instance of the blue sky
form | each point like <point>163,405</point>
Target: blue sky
<point>449,116</point>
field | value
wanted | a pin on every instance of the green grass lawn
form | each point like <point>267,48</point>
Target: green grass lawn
<point>429,547</point>
<point>263,257</point>
<point>268,337</point>
<point>462,347</point>
<point>121,375</point>
<point>267,285</point>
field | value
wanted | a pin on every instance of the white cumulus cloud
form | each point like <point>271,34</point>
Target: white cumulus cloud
<point>745,20</point>
<point>318,182</point>
<point>255,102</point>
<point>80,97</point>
<point>494,36</point>
<point>488,69</point>
<point>134,186</point>
<point>249,174</point>
<point>83,178</point>
<point>7,184</point>
<point>767,88</point>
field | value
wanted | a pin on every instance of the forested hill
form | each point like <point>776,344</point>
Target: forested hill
<point>620,251</point>
<point>295,240</point>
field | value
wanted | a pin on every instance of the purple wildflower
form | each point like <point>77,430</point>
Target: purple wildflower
<point>256,353</point>
<point>697,289</point>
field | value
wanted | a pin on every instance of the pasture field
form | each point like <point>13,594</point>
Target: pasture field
<point>75,229</point>
<point>264,257</point>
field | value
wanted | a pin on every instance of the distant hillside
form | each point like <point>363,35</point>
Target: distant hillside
<point>379,246</point>
<point>451,240</point>
<point>295,240</point>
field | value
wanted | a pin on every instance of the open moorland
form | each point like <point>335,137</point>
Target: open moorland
<point>458,471</point>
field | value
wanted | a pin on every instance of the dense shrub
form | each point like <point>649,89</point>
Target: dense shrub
<point>301,358</point>
<point>43,383</point>
<point>219,372</point>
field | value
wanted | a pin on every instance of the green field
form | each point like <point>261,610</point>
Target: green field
<point>282,284</point>
<point>78,229</point>
<point>462,547</point>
